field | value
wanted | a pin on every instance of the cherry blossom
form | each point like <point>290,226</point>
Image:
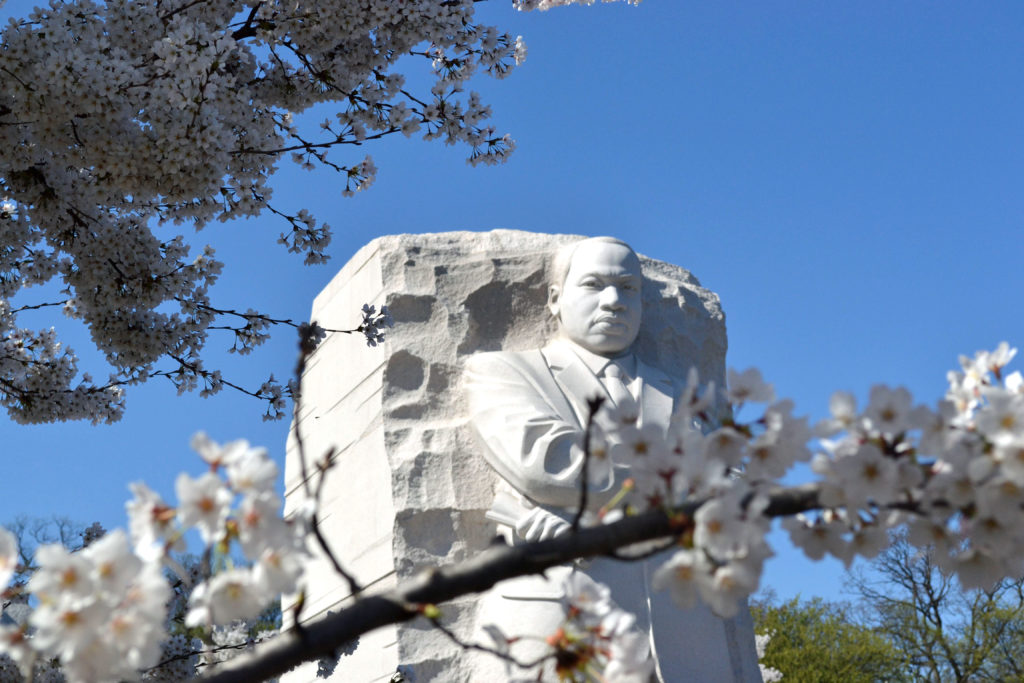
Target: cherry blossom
<point>251,470</point>
<point>128,117</point>
<point>629,659</point>
<point>952,475</point>
<point>749,386</point>
<point>768,674</point>
<point>8,556</point>
<point>149,521</point>
<point>548,4</point>
<point>889,410</point>
<point>204,504</point>
<point>598,636</point>
<point>680,576</point>
<point>229,595</point>
<point>101,611</point>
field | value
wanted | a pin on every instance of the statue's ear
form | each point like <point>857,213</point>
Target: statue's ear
<point>554,292</point>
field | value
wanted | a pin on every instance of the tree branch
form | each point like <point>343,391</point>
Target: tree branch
<point>478,574</point>
<point>307,344</point>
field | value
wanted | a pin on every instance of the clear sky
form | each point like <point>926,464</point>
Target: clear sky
<point>846,176</point>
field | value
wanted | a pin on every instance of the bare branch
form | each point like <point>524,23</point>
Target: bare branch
<point>483,648</point>
<point>307,344</point>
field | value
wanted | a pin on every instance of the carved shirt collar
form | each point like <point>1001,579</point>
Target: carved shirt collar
<point>596,363</point>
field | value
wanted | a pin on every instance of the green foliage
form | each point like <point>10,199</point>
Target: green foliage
<point>815,641</point>
<point>911,622</point>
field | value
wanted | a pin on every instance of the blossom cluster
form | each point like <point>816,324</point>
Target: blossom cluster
<point>954,475</point>
<point>123,117</point>
<point>548,4</point>
<point>102,611</point>
<point>598,640</point>
<point>600,635</point>
<point>768,674</point>
<point>374,322</point>
<point>726,462</point>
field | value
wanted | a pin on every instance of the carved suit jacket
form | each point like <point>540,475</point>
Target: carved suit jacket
<point>529,410</point>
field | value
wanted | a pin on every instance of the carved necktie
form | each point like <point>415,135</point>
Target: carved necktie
<point>614,383</point>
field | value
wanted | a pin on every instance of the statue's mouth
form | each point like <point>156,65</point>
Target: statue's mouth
<point>610,324</point>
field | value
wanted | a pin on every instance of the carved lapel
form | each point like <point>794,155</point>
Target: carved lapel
<point>656,395</point>
<point>574,378</point>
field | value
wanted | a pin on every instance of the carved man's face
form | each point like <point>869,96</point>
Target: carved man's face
<point>599,304</point>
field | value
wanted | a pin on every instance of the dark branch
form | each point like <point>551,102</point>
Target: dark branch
<point>307,344</point>
<point>593,405</point>
<point>247,30</point>
<point>476,575</point>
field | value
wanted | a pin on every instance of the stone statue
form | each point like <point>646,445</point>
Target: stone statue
<point>528,410</point>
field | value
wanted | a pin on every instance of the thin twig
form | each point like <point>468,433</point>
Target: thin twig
<point>254,316</point>
<point>616,555</point>
<point>593,405</point>
<point>309,146</point>
<point>306,346</point>
<point>307,343</point>
<point>489,650</point>
<point>37,306</point>
<point>193,653</point>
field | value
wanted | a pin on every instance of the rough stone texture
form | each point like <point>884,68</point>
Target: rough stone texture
<point>409,490</point>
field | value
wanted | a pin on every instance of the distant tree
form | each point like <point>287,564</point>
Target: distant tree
<point>821,641</point>
<point>32,532</point>
<point>946,633</point>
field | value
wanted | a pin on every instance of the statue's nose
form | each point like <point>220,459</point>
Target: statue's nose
<point>611,299</point>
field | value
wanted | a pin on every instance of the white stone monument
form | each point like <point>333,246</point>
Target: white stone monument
<point>412,486</point>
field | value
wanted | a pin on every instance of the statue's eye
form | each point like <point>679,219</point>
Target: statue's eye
<point>590,283</point>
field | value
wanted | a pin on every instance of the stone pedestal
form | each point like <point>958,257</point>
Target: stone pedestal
<point>409,490</point>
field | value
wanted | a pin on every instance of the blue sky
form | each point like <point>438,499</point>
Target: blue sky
<point>846,176</point>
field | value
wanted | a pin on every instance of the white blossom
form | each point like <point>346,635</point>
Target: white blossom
<point>889,410</point>
<point>680,575</point>
<point>768,674</point>
<point>728,586</point>
<point>260,525</point>
<point>815,538</point>
<point>250,470</point>
<point>226,596</point>
<point>749,386</point>
<point>62,577</point>
<point>629,659</point>
<point>15,645</point>
<point>954,477</point>
<point>149,521</point>
<point>1001,419</point>
<point>203,503</point>
<point>8,556</point>
<point>134,116</point>
<point>114,566</point>
<point>843,407</point>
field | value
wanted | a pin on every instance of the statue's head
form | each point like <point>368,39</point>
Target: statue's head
<point>595,293</point>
